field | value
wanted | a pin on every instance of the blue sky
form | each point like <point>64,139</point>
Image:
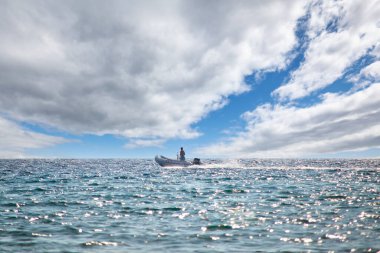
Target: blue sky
<point>223,79</point>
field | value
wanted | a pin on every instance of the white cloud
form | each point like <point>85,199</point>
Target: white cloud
<point>140,143</point>
<point>340,33</point>
<point>14,140</point>
<point>141,69</point>
<point>339,123</point>
<point>371,71</point>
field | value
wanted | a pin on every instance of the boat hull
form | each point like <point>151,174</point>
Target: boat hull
<point>167,162</point>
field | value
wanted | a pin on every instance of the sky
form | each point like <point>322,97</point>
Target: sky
<point>223,79</point>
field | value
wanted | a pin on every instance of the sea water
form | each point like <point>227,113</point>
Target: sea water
<point>221,206</point>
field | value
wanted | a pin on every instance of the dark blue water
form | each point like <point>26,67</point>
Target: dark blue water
<point>237,206</point>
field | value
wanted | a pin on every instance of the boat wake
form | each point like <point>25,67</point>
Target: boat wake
<point>287,164</point>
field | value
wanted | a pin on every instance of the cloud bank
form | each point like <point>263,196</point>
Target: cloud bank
<point>339,34</point>
<point>135,68</point>
<point>151,70</point>
<point>14,140</point>
<point>342,122</point>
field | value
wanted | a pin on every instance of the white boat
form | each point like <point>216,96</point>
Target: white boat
<point>167,162</point>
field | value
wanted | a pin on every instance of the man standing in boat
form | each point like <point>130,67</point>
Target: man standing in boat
<point>182,154</point>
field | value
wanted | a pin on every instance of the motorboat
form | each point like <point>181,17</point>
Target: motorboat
<point>168,162</point>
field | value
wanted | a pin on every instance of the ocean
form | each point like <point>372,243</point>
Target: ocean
<point>132,205</point>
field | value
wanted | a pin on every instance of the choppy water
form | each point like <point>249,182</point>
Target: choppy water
<point>237,206</point>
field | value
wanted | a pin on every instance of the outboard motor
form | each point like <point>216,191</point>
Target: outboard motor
<point>197,161</point>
